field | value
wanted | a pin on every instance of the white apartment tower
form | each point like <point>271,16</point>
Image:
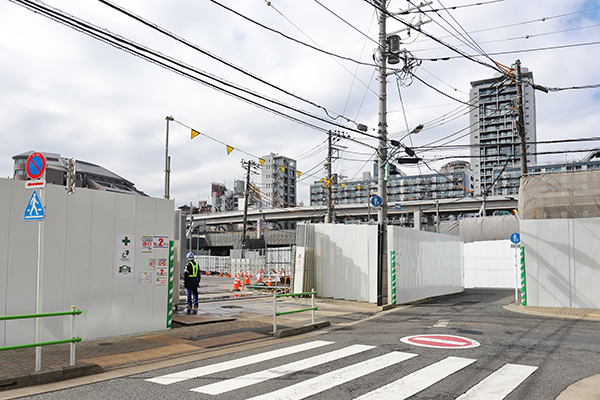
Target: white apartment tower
<point>278,179</point>
<point>493,133</point>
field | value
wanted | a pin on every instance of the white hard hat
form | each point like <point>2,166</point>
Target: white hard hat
<point>190,256</point>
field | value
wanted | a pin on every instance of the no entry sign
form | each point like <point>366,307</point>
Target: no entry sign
<point>440,341</point>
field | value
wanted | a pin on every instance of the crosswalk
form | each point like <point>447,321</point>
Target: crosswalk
<point>495,386</point>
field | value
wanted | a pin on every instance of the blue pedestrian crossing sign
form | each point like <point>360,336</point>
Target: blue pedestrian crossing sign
<point>35,209</point>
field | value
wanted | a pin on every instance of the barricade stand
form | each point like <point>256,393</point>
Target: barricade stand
<point>275,313</point>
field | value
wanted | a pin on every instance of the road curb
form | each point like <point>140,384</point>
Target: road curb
<point>49,376</point>
<point>303,329</point>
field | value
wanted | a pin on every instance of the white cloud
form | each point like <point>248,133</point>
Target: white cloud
<point>65,92</point>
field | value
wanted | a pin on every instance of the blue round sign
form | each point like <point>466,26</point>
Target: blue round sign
<point>515,238</point>
<point>376,201</point>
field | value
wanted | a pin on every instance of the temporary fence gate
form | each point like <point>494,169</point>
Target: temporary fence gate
<point>272,261</point>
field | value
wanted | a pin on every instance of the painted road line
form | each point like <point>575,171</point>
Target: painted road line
<point>440,341</point>
<point>442,323</point>
<point>419,380</point>
<point>499,384</point>
<point>240,362</point>
<point>277,372</point>
<point>326,381</point>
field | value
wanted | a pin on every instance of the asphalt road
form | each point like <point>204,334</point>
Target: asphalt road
<point>527,356</point>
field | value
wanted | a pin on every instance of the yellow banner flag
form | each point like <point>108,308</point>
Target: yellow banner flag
<point>229,150</point>
<point>343,184</point>
<point>358,187</point>
<point>282,169</point>
<point>194,133</point>
<point>299,173</point>
<point>261,161</point>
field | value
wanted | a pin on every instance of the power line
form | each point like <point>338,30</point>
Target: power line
<point>542,19</point>
<point>213,56</point>
<point>291,38</point>
<point>348,23</point>
<point>172,64</point>
<point>517,51</point>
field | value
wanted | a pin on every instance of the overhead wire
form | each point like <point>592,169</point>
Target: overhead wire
<point>289,37</point>
<point>213,56</point>
<point>172,64</point>
<point>542,19</point>
<point>270,4</point>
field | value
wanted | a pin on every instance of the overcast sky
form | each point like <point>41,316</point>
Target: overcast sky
<point>64,92</point>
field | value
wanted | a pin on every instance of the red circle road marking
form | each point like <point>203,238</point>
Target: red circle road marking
<point>440,341</point>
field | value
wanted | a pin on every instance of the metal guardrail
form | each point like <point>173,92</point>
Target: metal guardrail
<point>73,339</point>
<point>275,313</point>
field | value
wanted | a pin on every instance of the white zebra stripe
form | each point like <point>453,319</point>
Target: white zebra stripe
<point>419,380</point>
<point>240,362</point>
<point>326,381</point>
<point>499,384</point>
<point>277,372</point>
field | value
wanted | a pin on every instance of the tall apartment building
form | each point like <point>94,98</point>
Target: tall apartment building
<point>278,177</point>
<point>493,134</point>
<point>454,181</point>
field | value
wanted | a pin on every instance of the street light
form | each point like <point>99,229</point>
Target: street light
<point>408,150</point>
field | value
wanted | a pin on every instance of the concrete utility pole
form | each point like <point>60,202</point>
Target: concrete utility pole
<point>521,120</point>
<point>248,165</point>
<point>381,159</point>
<point>167,162</point>
<point>329,183</point>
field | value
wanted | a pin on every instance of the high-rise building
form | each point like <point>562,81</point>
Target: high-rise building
<point>493,132</point>
<point>278,177</point>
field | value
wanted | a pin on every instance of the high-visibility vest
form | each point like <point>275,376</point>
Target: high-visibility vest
<point>194,269</point>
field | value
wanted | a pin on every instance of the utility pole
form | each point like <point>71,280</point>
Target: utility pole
<point>381,158</point>
<point>329,182</point>
<point>248,165</point>
<point>167,162</point>
<point>521,121</point>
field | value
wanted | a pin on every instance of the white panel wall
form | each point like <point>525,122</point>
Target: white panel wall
<point>490,264</point>
<point>346,262</point>
<point>79,264</point>
<point>427,264</point>
<point>547,262</point>
<point>561,260</point>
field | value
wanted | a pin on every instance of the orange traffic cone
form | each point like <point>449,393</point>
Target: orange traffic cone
<point>229,274</point>
<point>221,272</point>
<point>246,280</point>
<point>236,283</point>
<point>258,278</point>
<point>270,283</point>
<point>206,271</point>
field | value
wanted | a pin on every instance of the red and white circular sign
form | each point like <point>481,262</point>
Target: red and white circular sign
<point>440,341</point>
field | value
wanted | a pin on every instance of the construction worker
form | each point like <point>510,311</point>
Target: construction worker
<point>191,281</point>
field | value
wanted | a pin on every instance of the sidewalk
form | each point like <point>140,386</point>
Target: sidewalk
<point>215,324</point>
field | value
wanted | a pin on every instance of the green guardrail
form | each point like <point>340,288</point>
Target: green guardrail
<point>72,341</point>
<point>275,313</point>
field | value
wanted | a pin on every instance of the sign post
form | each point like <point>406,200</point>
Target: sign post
<point>35,167</point>
<point>515,238</point>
